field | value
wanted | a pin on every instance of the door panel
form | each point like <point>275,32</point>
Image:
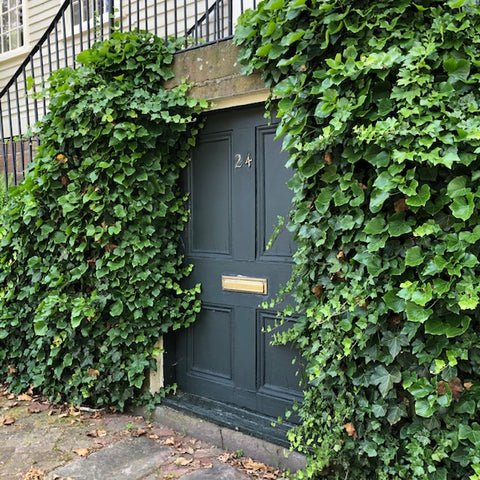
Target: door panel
<point>210,193</point>
<point>273,196</point>
<point>237,188</point>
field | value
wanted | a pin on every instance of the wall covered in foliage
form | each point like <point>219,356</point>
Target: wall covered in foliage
<point>380,112</point>
<point>90,265</point>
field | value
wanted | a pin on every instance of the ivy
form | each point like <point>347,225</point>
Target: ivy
<point>90,266</point>
<point>379,105</point>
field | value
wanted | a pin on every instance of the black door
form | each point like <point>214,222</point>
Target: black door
<point>237,188</point>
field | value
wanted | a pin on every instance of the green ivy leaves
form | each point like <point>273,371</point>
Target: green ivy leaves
<point>91,270</point>
<point>379,105</point>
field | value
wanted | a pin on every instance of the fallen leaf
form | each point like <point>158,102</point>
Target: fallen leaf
<point>328,158</point>
<point>139,432</point>
<point>25,397</point>
<point>468,385</point>
<point>9,421</point>
<point>11,369</point>
<point>37,407</point>
<point>188,450</point>
<point>341,256</point>
<point>61,158</point>
<point>182,461</point>
<point>34,474</point>
<point>96,433</point>
<point>11,396</point>
<point>169,441</point>
<point>81,452</point>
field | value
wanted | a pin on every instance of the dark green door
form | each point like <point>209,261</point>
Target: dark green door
<point>237,188</point>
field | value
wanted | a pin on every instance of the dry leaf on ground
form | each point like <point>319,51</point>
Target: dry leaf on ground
<point>34,474</point>
<point>182,461</point>
<point>81,452</point>
<point>36,407</point>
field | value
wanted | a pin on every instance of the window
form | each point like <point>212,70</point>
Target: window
<point>11,26</point>
<point>90,10</point>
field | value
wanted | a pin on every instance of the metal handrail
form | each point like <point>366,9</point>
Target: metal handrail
<point>20,108</point>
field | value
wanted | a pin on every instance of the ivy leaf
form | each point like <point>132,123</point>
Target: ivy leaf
<point>416,313</point>
<point>393,301</point>
<point>414,256</point>
<point>457,69</point>
<point>421,198</point>
<point>425,407</point>
<point>116,309</point>
<point>385,379</point>
<point>394,342</point>
<point>463,207</point>
<point>376,225</point>
<point>451,326</point>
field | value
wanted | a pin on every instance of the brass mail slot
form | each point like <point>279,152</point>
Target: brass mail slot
<point>244,284</point>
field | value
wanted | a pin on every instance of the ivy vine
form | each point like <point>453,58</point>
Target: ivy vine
<point>90,265</point>
<point>380,111</point>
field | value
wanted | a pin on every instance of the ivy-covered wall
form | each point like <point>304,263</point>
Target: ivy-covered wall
<point>379,104</point>
<point>90,266</point>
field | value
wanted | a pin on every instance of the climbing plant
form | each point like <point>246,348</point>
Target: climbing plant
<point>91,270</point>
<point>379,105</point>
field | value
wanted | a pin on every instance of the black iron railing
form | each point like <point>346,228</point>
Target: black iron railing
<point>78,25</point>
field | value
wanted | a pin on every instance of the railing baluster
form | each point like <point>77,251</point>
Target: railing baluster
<point>207,21</point>
<point>121,14</point>
<point>49,49</point>
<point>130,15</point>
<point>176,18</point>
<point>11,139</point>
<point>146,15</point>
<point>65,39</point>
<point>27,107</point>
<point>4,150</point>
<point>138,15</point>
<point>165,9</point>
<point>34,88</point>
<point>185,20</point>
<point>80,22</point>
<point>42,75</point>
<point>56,48</point>
<point>111,17</point>
<point>89,33</point>
<point>19,123</point>
<point>155,16</point>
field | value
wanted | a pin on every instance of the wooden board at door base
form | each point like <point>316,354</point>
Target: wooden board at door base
<point>237,187</point>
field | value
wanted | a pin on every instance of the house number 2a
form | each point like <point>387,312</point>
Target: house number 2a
<point>239,162</point>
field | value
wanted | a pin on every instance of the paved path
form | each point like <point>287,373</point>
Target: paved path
<point>39,441</point>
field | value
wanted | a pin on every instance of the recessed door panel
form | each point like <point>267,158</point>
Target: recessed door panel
<point>273,197</point>
<point>210,356</point>
<point>210,196</point>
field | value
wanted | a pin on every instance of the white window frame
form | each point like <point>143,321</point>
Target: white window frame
<point>12,25</point>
